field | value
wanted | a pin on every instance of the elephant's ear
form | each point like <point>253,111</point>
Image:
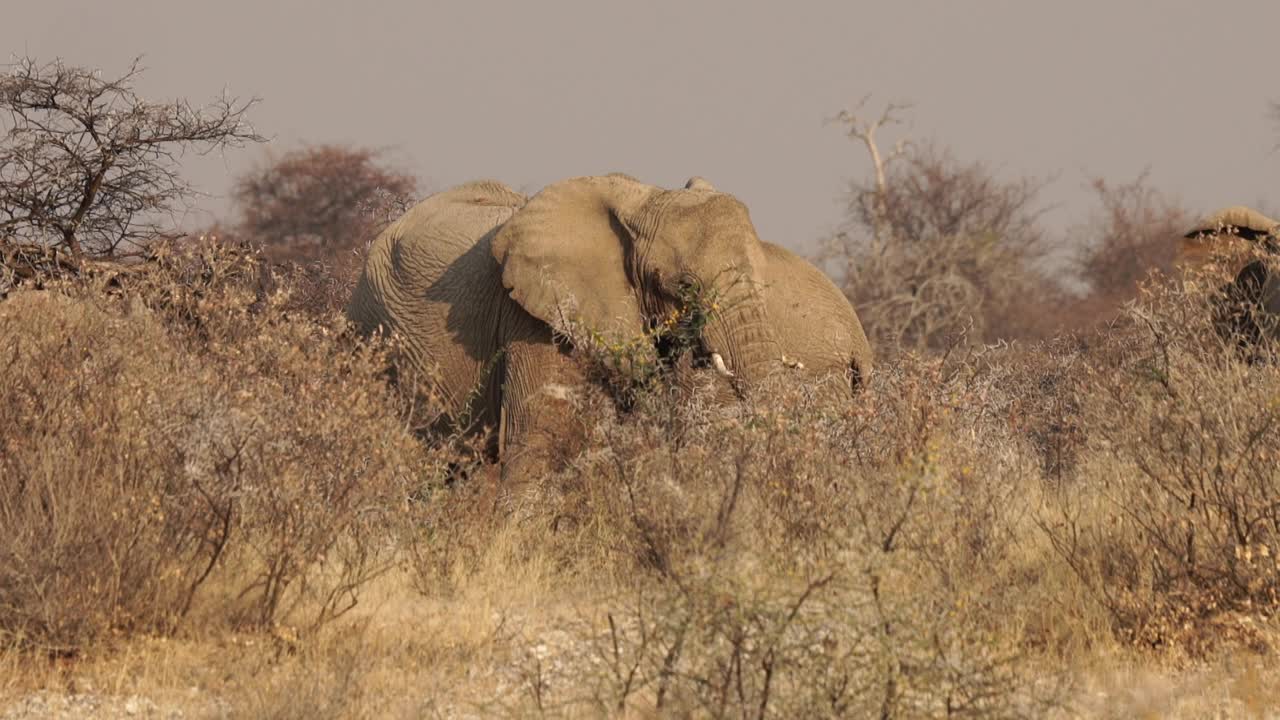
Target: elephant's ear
<point>697,182</point>
<point>565,254</point>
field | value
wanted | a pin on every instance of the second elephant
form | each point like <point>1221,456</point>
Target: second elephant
<point>474,279</point>
<point>1247,309</point>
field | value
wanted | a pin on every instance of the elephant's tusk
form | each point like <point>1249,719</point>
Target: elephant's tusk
<point>718,362</point>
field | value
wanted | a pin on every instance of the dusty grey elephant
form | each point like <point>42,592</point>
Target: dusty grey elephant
<point>475,278</point>
<point>1247,309</point>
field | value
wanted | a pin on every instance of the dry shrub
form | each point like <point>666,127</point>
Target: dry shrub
<point>95,539</point>
<point>88,165</point>
<point>1136,235</point>
<point>1172,522</point>
<point>957,289</point>
<point>180,443</point>
<point>1040,388</point>
<point>327,680</point>
<point>319,288</point>
<point>795,557</point>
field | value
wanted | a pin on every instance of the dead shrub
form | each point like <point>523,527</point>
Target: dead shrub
<point>89,166</point>
<point>795,556</point>
<point>320,289</point>
<point>774,643</point>
<point>97,535</point>
<point>325,681</point>
<point>1173,519</point>
<point>321,202</point>
<point>182,444</point>
<point>1136,233</point>
<point>1040,388</point>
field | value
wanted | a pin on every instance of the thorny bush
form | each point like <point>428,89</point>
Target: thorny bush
<point>1173,517</point>
<point>793,556</point>
<point>175,443</point>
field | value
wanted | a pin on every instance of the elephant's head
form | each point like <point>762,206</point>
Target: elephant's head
<point>619,256</point>
<point>1219,229</point>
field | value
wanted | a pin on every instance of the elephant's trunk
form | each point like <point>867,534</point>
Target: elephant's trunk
<point>742,342</point>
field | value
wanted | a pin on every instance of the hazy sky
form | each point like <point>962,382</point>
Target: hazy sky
<point>530,92</point>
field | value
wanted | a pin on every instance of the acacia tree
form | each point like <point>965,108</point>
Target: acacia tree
<point>88,165</point>
<point>321,202</point>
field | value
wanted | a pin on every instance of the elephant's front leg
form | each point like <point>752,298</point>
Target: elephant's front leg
<point>539,429</point>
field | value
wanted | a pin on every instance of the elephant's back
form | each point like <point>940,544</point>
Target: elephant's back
<point>430,278</point>
<point>445,226</point>
<point>414,262</point>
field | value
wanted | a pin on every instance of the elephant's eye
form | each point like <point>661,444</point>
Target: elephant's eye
<point>689,284</point>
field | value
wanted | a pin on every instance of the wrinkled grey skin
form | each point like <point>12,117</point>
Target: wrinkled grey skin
<point>473,279</point>
<point>431,278</point>
<point>815,321</point>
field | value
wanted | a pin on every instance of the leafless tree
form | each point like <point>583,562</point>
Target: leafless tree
<point>871,201</point>
<point>1134,234</point>
<point>930,194</point>
<point>88,165</point>
<point>321,202</point>
<point>933,248</point>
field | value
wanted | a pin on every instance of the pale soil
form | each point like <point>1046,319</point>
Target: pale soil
<point>486,650</point>
<point>1223,692</point>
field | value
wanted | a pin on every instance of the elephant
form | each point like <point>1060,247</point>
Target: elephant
<point>1246,310</point>
<point>483,284</point>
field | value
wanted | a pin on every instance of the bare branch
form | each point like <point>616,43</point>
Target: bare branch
<point>864,130</point>
<point>933,249</point>
<point>87,164</point>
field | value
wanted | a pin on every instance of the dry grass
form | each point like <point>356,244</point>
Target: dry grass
<point>1081,527</point>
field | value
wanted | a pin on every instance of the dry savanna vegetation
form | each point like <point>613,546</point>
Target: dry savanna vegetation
<point>1060,503</point>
